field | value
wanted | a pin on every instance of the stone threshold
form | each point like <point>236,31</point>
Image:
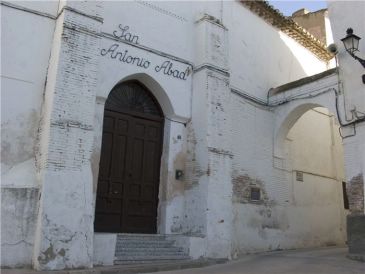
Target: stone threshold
<point>126,269</point>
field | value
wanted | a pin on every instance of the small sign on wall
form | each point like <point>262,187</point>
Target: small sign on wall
<point>255,194</point>
<point>299,176</point>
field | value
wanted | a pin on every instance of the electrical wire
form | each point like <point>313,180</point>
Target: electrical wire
<point>177,121</point>
<point>352,122</point>
<point>339,87</point>
<point>262,102</point>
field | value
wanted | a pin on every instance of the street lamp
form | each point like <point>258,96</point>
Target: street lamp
<point>351,43</point>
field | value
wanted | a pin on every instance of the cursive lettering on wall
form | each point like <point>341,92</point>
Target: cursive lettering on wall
<point>124,57</point>
<point>167,68</point>
<point>114,52</point>
<point>123,33</point>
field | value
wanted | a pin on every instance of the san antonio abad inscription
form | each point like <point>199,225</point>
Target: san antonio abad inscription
<point>114,52</point>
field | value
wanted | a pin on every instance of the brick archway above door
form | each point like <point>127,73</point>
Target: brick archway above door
<point>127,192</point>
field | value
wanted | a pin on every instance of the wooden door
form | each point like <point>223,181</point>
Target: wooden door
<point>127,192</point>
<point>141,195</point>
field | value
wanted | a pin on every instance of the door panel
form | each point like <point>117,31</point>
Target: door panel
<point>127,195</point>
<point>109,202</point>
<point>141,201</point>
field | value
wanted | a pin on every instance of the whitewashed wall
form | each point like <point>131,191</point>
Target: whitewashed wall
<point>25,55</point>
<point>344,15</point>
<point>261,57</point>
<point>201,204</point>
<point>291,214</point>
<point>26,44</point>
<point>161,25</point>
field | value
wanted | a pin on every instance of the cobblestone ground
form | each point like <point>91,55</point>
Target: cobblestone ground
<point>326,260</point>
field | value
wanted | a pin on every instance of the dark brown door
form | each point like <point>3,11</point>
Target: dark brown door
<point>127,192</point>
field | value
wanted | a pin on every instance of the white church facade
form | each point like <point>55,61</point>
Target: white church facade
<point>222,125</point>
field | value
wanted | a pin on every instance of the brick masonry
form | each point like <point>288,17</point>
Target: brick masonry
<point>242,185</point>
<point>356,194</point>
<point>65,220</point>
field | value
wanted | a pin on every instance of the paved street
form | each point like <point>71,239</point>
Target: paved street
<point>327,260</point>
<point>310,261</point>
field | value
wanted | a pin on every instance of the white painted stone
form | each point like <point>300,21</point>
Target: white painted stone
<point>21,175</point>
<point>104,248</point>
<point>197,248</point>
<point>18,223</point>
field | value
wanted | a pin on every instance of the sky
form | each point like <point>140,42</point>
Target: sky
<point>289,6</point>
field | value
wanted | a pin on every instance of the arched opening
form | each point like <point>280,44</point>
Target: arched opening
<point>129,169</point>
<point>291,117</point>
<point>312,153</point>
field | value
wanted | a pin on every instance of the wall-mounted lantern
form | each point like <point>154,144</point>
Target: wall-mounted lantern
<point>351,43</point>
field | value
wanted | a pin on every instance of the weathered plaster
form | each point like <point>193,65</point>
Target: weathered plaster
<point>222,142</point>
<point>242,185</point>
<point>21,148</point>
<point>18,222</point>
<point>289,210</point>
<point>104,248</point>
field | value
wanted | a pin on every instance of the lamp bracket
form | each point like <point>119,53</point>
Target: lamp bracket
<point>362,61</point>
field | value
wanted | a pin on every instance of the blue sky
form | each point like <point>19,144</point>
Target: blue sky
<point>288,7</point>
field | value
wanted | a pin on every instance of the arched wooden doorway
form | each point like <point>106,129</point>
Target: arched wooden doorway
<point>127,192</point>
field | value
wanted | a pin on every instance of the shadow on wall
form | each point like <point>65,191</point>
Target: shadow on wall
<point>261,57</point>
<point>287,124</point>
<point>291,211</point>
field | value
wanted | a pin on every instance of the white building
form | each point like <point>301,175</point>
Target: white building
<point>214,123</point>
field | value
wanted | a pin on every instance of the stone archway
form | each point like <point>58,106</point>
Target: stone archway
<point>173,124</point>
<point>324,90</point>
<point>286,118</point>
<point>129,170</point>
<point>312,168</point>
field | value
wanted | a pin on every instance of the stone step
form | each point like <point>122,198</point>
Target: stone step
<point>136,243</point>
<point>143,237</point>
<point>149,253</point>
<point>152,262</point>
<point>150,249</point>
<point>151,256</point>
<point>134,239</point>
<point>144,248</point>
<point>144,257</point>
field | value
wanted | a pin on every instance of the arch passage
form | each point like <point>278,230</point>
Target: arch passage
<point>127,193</point>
